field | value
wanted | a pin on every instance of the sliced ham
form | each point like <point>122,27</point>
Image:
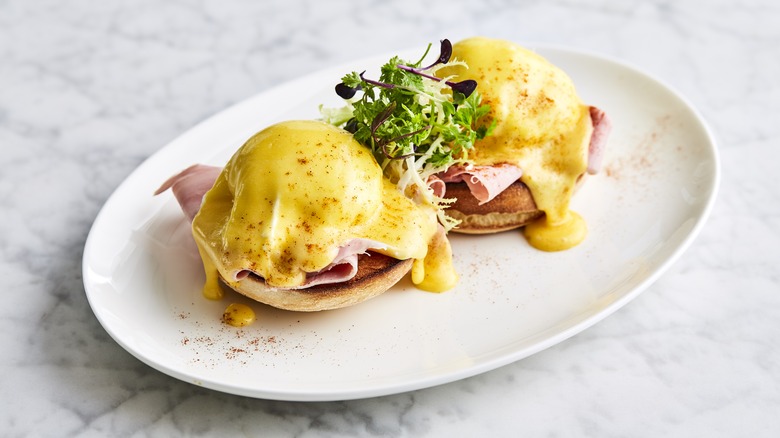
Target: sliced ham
<point>191,184</point>
<point>437,185</point>
<point>337,272</point>
<point>485,182</point>
<point>602,125</point>
<point>343,268</point>
<point>345,265</point>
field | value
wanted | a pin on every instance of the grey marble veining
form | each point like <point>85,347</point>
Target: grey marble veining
<point>88,90</point>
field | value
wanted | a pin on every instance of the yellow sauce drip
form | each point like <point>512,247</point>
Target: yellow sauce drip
<point>435,272</point>
<point>541,126</point>
<point>211,288</point>
<point>547,236</point>
<point>292,195</point>
<point>238,315</point>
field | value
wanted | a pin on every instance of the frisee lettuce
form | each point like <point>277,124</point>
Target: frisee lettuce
<point>415,123</point>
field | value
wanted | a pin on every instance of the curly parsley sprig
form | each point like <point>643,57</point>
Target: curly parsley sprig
<point>415,123</point>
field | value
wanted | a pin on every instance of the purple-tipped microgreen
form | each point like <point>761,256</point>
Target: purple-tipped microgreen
<point>415,123</point>
<point>445,53</point>
<point>346,92</point>
<point>464,87</point>
<point>377,83</point>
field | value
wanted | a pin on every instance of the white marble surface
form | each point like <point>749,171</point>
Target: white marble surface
<point>88,90</point>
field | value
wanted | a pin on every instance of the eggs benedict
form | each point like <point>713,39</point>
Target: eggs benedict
<point>543,142</point>
<point>302,218</point>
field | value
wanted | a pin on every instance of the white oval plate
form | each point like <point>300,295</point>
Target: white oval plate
<point>142,274</point>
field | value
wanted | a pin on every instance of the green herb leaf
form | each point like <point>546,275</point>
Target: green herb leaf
<point>415,123</point>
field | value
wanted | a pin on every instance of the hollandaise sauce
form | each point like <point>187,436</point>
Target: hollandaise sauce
<point>435,273</point>
<point>551,171</point>
<point>238,315</point>
<point>541,126</point>
<point>546,235</point>
<point>295,193</point>
<point>211,288</point>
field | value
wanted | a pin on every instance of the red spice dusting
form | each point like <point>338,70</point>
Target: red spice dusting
<point>233,352</point>
<point>641,164</point>
<point>218,347</point>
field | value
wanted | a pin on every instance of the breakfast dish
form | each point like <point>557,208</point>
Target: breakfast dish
<point>301,218</point>
<point>544,142</point>
<point>143,276</point>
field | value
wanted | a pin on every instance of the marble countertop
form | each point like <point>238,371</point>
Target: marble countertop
<point>91,89</point>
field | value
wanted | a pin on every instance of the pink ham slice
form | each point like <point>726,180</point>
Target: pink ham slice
<point>191,184</point>
<point>486,182</point>
<point>437,185</point>
<point>345,265</point>
<point>602,125</point>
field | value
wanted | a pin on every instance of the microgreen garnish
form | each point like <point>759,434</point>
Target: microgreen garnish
<point>464,87</point>
<point>383,142</point>
<point>445,53</point>
<point>346,92</point>
<point>415,122</point>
